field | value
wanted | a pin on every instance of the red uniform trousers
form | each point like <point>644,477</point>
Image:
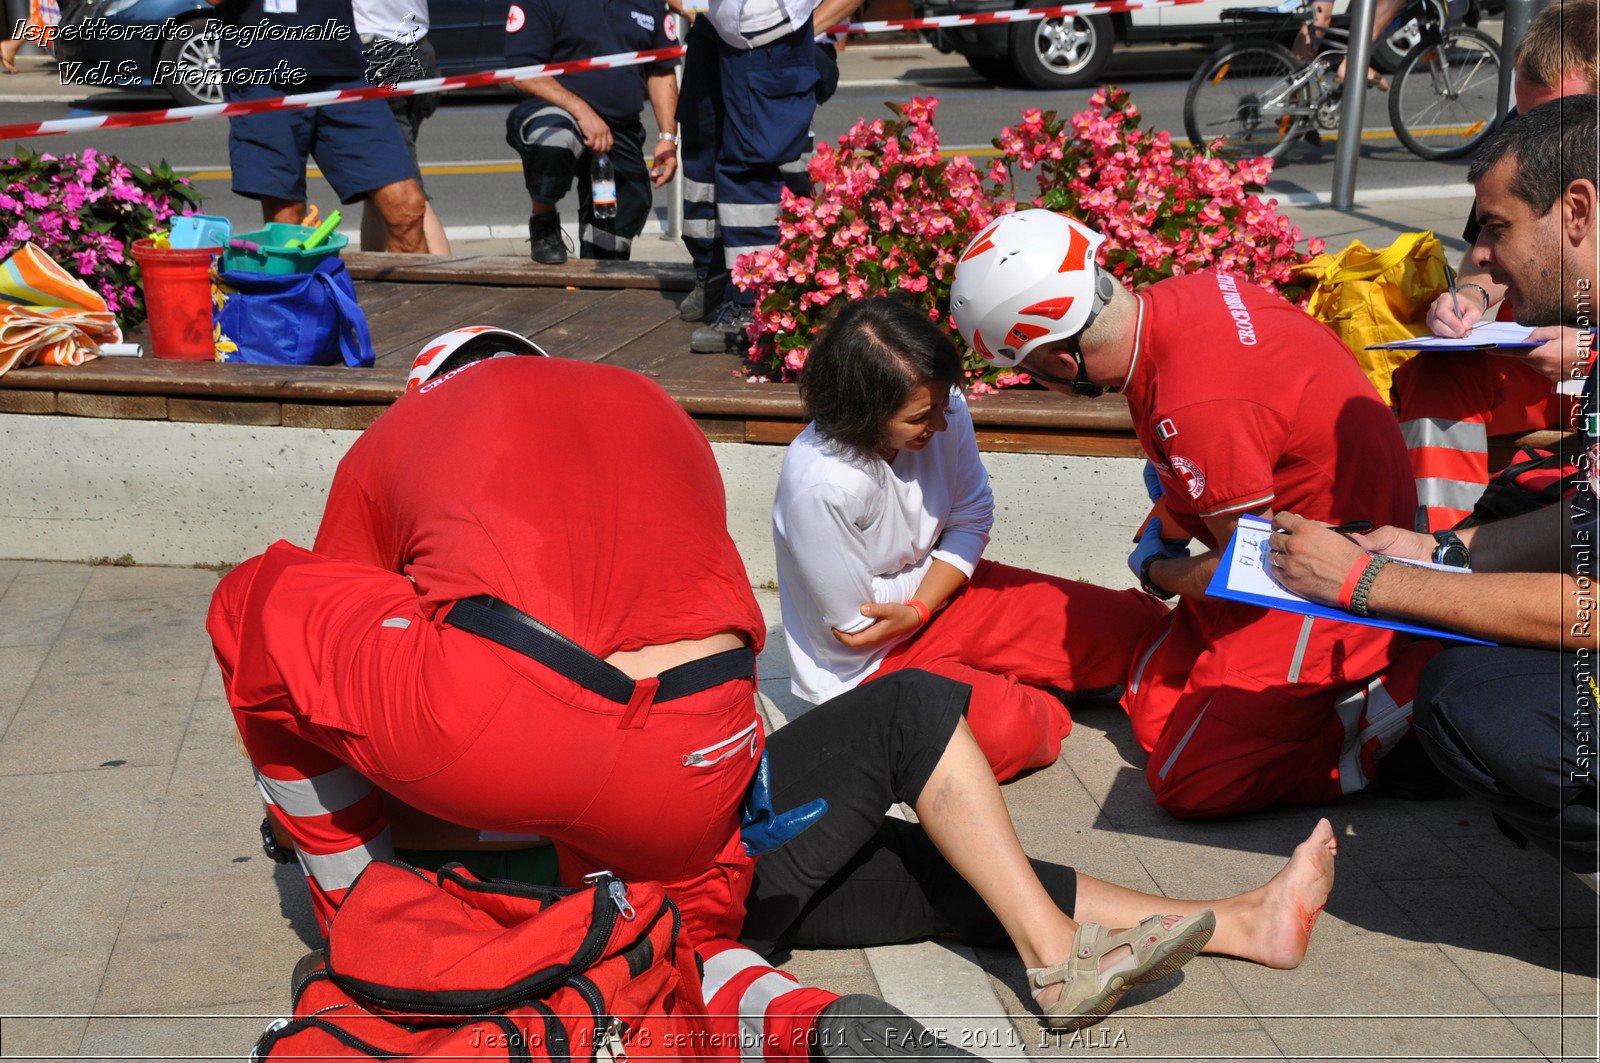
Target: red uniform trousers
<point>1009,632</point>
<point>1242,707</point>
<point>338,681</point>
<point>1449,405</point>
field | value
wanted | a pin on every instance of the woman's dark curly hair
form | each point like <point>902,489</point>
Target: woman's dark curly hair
<point>866,363</point>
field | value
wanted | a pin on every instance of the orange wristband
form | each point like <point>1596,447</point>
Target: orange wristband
<point>1347,589</point>
<point>922,610</point>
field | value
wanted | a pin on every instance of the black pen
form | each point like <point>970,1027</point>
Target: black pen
<point>1349,526</point>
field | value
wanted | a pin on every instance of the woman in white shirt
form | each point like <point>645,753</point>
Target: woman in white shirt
<point>882,514</point>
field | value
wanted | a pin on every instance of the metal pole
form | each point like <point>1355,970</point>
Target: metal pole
<point>675,204</point>
<point>1517,16</point>
<point>1355,99</point>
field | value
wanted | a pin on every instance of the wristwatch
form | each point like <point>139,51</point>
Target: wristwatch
<point>1451,551</point>
<point>672,137</point>
<point>1149,585</point>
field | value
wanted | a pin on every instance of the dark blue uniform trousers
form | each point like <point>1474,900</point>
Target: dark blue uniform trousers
<point>1509,726</point>
<point>744,118</point>
<point>553,155</point>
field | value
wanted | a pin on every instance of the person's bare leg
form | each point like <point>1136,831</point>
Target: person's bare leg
<point>402,206</point>
<point>433,231</point>
<point>961,809</point>
<point>287,211</point>
<point>1381,17</point>
<point>1269,925</point>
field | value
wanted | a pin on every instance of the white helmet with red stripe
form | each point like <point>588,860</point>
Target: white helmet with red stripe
<point>493,342</point>
<point>1029,278</point>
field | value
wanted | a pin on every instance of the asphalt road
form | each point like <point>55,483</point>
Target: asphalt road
<point>475,181</point>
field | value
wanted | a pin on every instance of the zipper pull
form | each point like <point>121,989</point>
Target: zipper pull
<point>612,1043</point>
<point>619,897</point>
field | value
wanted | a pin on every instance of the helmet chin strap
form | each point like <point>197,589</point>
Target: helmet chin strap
<point>1104,290</point>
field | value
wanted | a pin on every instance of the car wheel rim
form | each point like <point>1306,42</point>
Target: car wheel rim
<point>202,51</point>
<point>1064,44</point>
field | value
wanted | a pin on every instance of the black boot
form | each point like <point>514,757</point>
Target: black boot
<point>544,237</point>
<point>859,1027</point>
<point>707,293</point>
<point>724,333</point>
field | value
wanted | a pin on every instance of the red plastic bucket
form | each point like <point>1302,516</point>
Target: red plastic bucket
<point>177,296</point>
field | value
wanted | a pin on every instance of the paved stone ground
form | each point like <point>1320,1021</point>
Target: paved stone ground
<point>141,920</point>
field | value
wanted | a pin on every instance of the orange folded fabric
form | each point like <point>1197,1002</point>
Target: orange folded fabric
<point>48,316</point>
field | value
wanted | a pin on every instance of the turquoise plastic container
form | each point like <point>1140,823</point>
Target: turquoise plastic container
<point>274,257</point>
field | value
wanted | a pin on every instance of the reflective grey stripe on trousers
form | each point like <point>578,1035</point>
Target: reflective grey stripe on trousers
<point>320,795</point>
<point>338,871</point>
<point>598,237</point>
<point>551,127</point>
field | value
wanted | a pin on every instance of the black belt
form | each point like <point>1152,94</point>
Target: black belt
<point>500,622</point>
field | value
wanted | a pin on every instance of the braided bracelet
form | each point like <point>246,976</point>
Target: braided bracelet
<point>1358,598</point>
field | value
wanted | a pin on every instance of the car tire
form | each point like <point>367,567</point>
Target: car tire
<point>188,48</point>
<point>1388,53</point>
<point>994,68</point>
<point>1062,53</point>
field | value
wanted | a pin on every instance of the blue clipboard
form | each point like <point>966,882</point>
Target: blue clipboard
<point>1219,588</point>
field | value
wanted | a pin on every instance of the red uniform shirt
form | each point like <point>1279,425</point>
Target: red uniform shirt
<point>1243,401</point>
<point>468,485</point>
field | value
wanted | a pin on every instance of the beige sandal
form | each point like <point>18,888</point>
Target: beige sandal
<point>1088,993</point>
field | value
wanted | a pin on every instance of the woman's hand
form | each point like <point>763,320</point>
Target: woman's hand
<point>891,619</point>
<point>1309,558</point>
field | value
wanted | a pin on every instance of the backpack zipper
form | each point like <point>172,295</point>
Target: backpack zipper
<point>516,1040</point>
<point>349,1040</point>
<point>591,995</point>
<point>604,920</point>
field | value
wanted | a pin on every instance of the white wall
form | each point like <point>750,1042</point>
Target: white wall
<point>168,493</point>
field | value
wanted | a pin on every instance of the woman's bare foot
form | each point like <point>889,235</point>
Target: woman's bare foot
<point>1272,925</point>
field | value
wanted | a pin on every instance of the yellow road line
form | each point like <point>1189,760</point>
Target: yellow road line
<point>448,168</point>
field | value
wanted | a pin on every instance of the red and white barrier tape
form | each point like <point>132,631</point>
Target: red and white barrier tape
<point>170,115</point>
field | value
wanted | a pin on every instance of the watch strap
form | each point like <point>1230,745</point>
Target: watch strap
<point>1149,585</point>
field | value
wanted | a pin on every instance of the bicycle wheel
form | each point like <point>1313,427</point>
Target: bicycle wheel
<point>1247,96</point>
<point>1443,98</point>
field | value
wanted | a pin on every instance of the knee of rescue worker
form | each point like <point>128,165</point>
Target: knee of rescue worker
<point>1455,726</point>
<point>1195,795</point>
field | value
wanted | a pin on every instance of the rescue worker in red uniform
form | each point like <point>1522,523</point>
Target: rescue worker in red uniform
<point>1243,404</point>
<point>1451,403</point>
<point>611,707</point>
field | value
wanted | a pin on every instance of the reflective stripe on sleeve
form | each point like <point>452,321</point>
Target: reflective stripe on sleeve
<point>1471,436</point>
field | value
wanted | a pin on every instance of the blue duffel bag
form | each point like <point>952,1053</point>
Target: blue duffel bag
<point>294,319</point>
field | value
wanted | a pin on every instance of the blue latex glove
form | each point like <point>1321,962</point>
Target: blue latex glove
<point>1152,481</point>
<point>1151,545</point>
<point>764,830</point>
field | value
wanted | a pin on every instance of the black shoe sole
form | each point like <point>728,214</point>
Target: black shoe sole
<point>859,1027</point>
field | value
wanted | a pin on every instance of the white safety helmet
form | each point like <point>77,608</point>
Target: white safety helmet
<point>1030,278</point>
<point>495,342</point>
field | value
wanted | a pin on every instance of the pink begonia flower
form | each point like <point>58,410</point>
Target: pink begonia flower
<point>1097,165</point>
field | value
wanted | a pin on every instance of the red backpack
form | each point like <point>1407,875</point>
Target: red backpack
<point>429,965</point>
